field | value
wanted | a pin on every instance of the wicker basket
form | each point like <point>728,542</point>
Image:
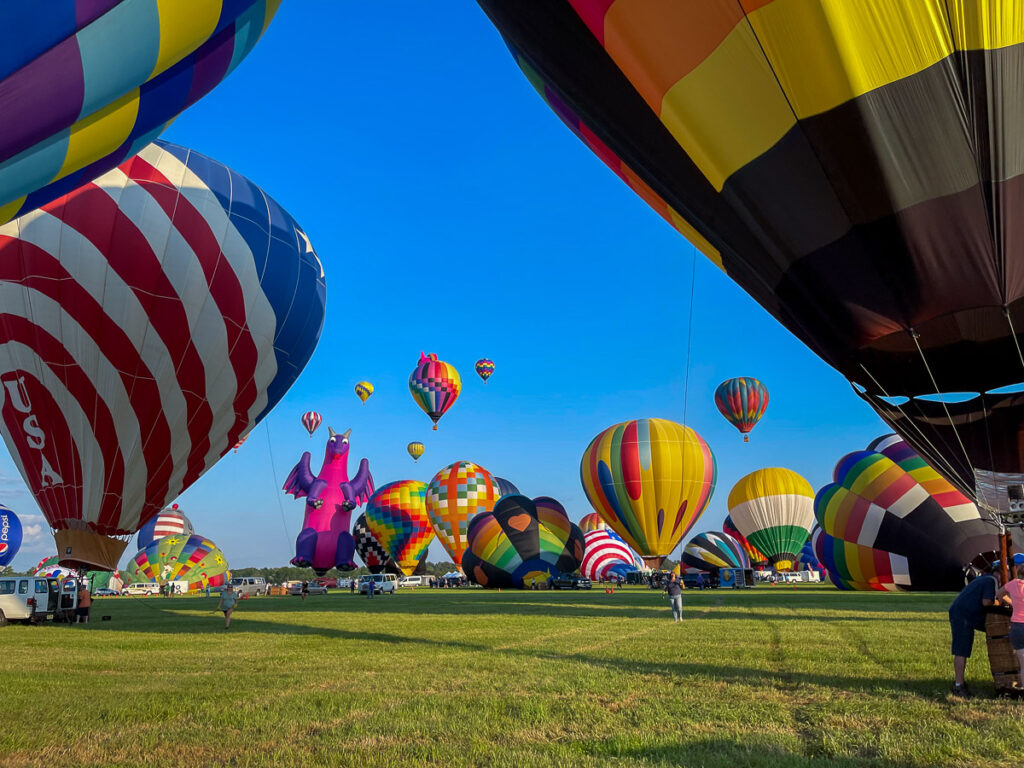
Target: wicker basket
<point>1001,657</point>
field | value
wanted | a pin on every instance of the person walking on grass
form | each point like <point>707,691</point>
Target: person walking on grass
<point>1013,591</point>
<point>305,590</point>
<point>967,614</point>
<point>675,597</point>
<point>228,598</point>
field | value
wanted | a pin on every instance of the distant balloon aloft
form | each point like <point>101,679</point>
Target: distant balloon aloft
<point>150,319</point>
<point>743,402</point>
<point>363,390</point>
<point>435,386</point>
<point>484,368</point>
<point>415,449</point>
<point>650,479</point>
<point>522,541</point>
<point>848,164</point>
<point>312,420</point>
<point>921,531</point>
<point>85,84</point>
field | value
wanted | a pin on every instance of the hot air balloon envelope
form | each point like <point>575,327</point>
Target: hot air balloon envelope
<point>396,514</point>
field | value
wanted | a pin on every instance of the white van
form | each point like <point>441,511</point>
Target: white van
<point>249,585</point>
<point>411,581</point>
<point>382,582</point>
<point>33,599</point>
<point>142,588</point>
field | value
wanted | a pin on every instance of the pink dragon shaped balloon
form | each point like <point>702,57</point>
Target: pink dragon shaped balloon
<point>325,541</point>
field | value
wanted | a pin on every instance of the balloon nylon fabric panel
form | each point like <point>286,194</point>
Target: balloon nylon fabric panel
<point>85,84</point>
<point>774,509</point>
<point>853,166</point>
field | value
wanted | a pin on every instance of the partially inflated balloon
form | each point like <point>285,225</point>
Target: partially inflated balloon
<point>435,386</point>
<point>457,493</point>
<point>752,552</point>
<point>849,164</point>
<point>363,390</point>
<point>10,535</point>
<point>651,480</point>
<point>371,551</point>
<point>415,450</point>
<point>851,566</point>
<point>713,550</point>
<point>774,509</point>
<point>88,83</point>
<point>194,559</point>
<point>605,556</point>
<point>396,514</point>
<point>592,522</point>
<point>148,321</point>
<point>484,368</point>
<point>520,542</point>
<point>742,401</point>
<point>51,568</point>
<point>888,499</point>
<point>312,420</point>
<point>170,522</point>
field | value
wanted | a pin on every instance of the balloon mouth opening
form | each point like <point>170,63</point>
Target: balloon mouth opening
<point>84,549</point>
<point>653,562</point>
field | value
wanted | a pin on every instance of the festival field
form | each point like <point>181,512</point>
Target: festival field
<point>783,676</point>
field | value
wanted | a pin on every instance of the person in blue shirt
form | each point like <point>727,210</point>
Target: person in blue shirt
<point>967,614</point>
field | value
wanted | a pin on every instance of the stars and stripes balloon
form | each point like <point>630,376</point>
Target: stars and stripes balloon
<point>650,479</point>
<point>743,402</point>
<point>435,386</point>
<point>484,368</point>
<point>88,83</point>
<point>712,550</point>
<point>170,521</point>
<point>605,555</point>
<point>148,320</point>
<point>774,509</point>
<point>396,515</point>
<point>194,559</point>
<point>455,494</point>
<point>312,420</point>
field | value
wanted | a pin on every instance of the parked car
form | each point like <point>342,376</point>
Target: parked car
<point>105,592</point>
<point>570,581</point>
<point>381,583</point>
<point>314,589</point>
<point>249,585</point>
<point>142,588</point>
<point>323,581</point>
<point>411,581</point>
<point>345,583</point>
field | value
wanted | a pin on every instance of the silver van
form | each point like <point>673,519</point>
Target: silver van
<point>33,599</point>
<point>249,585</point>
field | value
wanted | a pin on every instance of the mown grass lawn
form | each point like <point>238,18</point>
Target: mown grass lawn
<point>766,677</point>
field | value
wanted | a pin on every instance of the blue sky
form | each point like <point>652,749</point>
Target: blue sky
<point>455,214</point>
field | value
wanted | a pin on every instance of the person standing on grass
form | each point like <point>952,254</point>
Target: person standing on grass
<point>305,590</point>
<point>84,604</point>
<point>967,614</point>
<point>1014,591</point>
<point>228,598</point>
<point>675,597</point>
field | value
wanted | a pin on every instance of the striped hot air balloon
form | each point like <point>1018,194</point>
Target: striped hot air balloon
<point>150,319</point>
<point>743,402</point>
<point>712,550</point>
<point>170,521</point>
<point>435,386</point>
<point>606,555</point>
<point>592,522</point>
<point>774,509</point>
<point>312,420</point>
<point>363,390</point>
<point>753,553</point>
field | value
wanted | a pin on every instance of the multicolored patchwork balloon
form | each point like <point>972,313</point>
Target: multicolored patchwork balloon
<point>712,550</point>
<point>743,402</point>
<point>774,509</point>
<point>753,553</point>
<point>88,83</point>
<point>312,420</point>
<point>194,559</point>
<point>605,555</point>
<point>593,522</point>
<point>435,386</point>
<point>363,390</point>
<point>650,479</point>
<point>522,541</point>
<point>457,493</point>
<point>484,368</point>
<point>397,517</point>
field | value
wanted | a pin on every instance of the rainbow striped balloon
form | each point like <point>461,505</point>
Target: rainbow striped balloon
<point>397,517</point>
<point>606,555</point>
<point>457,493</point>
<point>592,522</point>
<point>435,386</point>
<point>650,479</point>
<point>743,402</point>
<point>194,559</point>
<point>854,567</point>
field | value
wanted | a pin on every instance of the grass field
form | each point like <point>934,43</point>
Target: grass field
<point>774,677</point>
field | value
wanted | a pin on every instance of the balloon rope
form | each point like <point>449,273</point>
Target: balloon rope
<point>277,486</point>
<point>686,372</point>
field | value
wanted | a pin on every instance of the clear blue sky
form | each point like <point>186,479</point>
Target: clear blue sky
<point>455,214</point>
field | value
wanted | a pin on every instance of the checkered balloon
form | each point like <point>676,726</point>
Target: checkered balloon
<point>397,517</point>
<point>435,386</point>
<point>456,493</point>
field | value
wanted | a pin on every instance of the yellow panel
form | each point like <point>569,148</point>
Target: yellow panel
<point>695,239</point>
<point>100,133</point>
<point>986,24</point>
<point>184,26</point>
<point>827,52</point>
<point>729,109</point>
<point>7,211</point>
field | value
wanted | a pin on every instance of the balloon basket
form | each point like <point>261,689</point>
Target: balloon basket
<point>434,428</point>
<point>746,438</point>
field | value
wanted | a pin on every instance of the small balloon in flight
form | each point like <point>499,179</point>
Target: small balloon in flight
<point>435,386</point>
<point>415,450</point>
<point>363,390</point>
<point>484,368</point>
<point>743,402</point>
<point>312,420</point>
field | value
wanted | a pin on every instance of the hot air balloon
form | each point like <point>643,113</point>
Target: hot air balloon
<point>889,500</point>
<point>851,566</point>
<point>86,85</point>
<point>10,536</point>
<point>806,560</point>
<point>712,550</point>
<point>765,133</point>
<point>774,509</point>
<point>455,494</point>
<point>435,386</point>
<point>605,556</point>
<point>505,487</point>
<point>51,568</point>
<point>522,541</point>
<point>650,480</point>
<point>484,368</point>
<point>150,319</point>
<point>742,401</point>
<point>415,450</point>
<point>370,551</point>
<point>170,521</point>
<point>363,390</point>
<point>397,517</point>
<point>593,522</point>
<point>312,420</point>
<point>752,552</point>
<point>194,559</point>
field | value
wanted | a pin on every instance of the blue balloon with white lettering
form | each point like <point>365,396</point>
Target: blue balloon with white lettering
<point>10,535</point>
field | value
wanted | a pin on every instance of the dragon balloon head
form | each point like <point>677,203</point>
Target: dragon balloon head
<point>337,446</point>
